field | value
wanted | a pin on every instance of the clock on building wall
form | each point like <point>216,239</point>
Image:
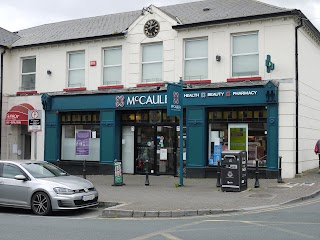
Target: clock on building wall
<point>151,28</point>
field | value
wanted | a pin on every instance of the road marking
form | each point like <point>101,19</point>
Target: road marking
<point>306,184</point>
<point>169,236</point>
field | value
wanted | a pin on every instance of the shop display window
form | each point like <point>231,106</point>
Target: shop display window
<point>148,116</point>
<point>256,117</point>
<point>71,122</point>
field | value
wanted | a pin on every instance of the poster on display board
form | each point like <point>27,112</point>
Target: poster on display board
<point>238,136</point>
<point>82,142</point>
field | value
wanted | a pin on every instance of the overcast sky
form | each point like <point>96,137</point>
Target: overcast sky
<point>20,14</point>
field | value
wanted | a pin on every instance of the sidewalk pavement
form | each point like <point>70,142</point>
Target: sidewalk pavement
<point>164,198</point>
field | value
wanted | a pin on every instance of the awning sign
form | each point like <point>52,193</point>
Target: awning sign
<point>18,114</point>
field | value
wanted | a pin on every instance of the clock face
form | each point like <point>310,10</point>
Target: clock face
<point>151,28</point>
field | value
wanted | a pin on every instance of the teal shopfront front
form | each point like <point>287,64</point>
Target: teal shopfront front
<point>132,125</point>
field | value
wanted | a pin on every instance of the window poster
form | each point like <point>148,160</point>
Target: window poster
<point>82,142</point>
<point>163,154</point>
<point>238,136</point>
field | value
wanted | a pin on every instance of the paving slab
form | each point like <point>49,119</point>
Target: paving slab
<point>163,197</point>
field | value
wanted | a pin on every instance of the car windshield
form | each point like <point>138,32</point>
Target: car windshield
<point>44,170</point>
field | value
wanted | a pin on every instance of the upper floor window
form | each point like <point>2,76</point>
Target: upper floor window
<point>245,55</point>
<point>196,59</point>
<point>152,63</point>
<point>76,69</point>
<point>28,74</point>
<point>112,66</point>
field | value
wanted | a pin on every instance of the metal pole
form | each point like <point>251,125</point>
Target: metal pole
<point>256,184</point>
<point>218,175</point>
<point>280,171</point>
<point>84,169</point>
<point>147,173</point>
<point>35,146</point>
<point>181,138</point>
<point>181,149</point>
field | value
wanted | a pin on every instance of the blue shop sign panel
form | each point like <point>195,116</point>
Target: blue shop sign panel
<point>201,97</point>
<point>175,98</point>
<point>190,98</point>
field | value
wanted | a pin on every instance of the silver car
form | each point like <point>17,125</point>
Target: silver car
<point>43,187</point>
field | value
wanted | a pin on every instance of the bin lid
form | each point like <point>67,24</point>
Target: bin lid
<point>232,151</point>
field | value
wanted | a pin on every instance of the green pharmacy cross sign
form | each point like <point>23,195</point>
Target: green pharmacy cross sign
<point>269,64</point>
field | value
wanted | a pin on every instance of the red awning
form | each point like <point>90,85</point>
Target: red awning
<point>18,114</point>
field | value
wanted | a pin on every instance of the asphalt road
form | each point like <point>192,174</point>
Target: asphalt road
<point>291,222</point>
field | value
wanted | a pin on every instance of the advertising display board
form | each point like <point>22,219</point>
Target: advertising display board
<point>238,136</point>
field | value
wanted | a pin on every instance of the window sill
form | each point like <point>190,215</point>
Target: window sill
<point>244,79</point>
<point>110,87</point>
<point>74,89</point>
<point>150,84</point>
<point>196,81</point>
<point>27,92</point>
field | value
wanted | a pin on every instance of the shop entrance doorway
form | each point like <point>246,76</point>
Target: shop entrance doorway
<point>158,145</point>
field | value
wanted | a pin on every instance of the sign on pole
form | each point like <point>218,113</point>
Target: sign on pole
<point>34,120</point>
<point>82,142</point>
<point>174,97</point>
<point>175,108</point>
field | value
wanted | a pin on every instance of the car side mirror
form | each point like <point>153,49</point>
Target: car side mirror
<point>20,177</point>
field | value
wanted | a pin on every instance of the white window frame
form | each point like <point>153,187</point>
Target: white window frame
<point>151,62</point>
<point>76,69</point>
<point>111,66</point>
<point>28,73</point>
<point>244,54</point>
<point>197,58</point>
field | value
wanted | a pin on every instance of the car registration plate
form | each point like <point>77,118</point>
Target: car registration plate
<point>87,197</point>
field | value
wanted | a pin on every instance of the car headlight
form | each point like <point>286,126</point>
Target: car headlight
<point>65,191</point>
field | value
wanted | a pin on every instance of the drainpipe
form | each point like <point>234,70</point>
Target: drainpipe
<point>297,94</point>
<point>3,51</point>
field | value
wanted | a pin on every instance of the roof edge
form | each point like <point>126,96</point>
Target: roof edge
<point>122,34</point>
<point>254,17</point>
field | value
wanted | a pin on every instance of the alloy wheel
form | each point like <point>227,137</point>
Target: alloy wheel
<point>40,203</point>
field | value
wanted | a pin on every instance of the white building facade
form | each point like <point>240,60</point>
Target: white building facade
<point>159,45</point>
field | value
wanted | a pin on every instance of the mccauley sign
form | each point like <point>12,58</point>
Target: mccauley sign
<point>190,98</point>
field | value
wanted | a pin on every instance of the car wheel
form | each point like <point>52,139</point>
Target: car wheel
<point>40,204</point>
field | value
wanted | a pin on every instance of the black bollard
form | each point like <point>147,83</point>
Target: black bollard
<point>256,184</point>
<point>84,169</point>
<point>218,184</point>
<point>280,171</point>
<point>147,173</point>
<point>58,163</point>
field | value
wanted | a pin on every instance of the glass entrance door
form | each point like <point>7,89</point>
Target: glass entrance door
<point>158,145</point>
<point>166,149</point>
<point>145,148</point>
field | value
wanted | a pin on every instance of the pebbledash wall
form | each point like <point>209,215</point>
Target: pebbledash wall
<point>196,102</point>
